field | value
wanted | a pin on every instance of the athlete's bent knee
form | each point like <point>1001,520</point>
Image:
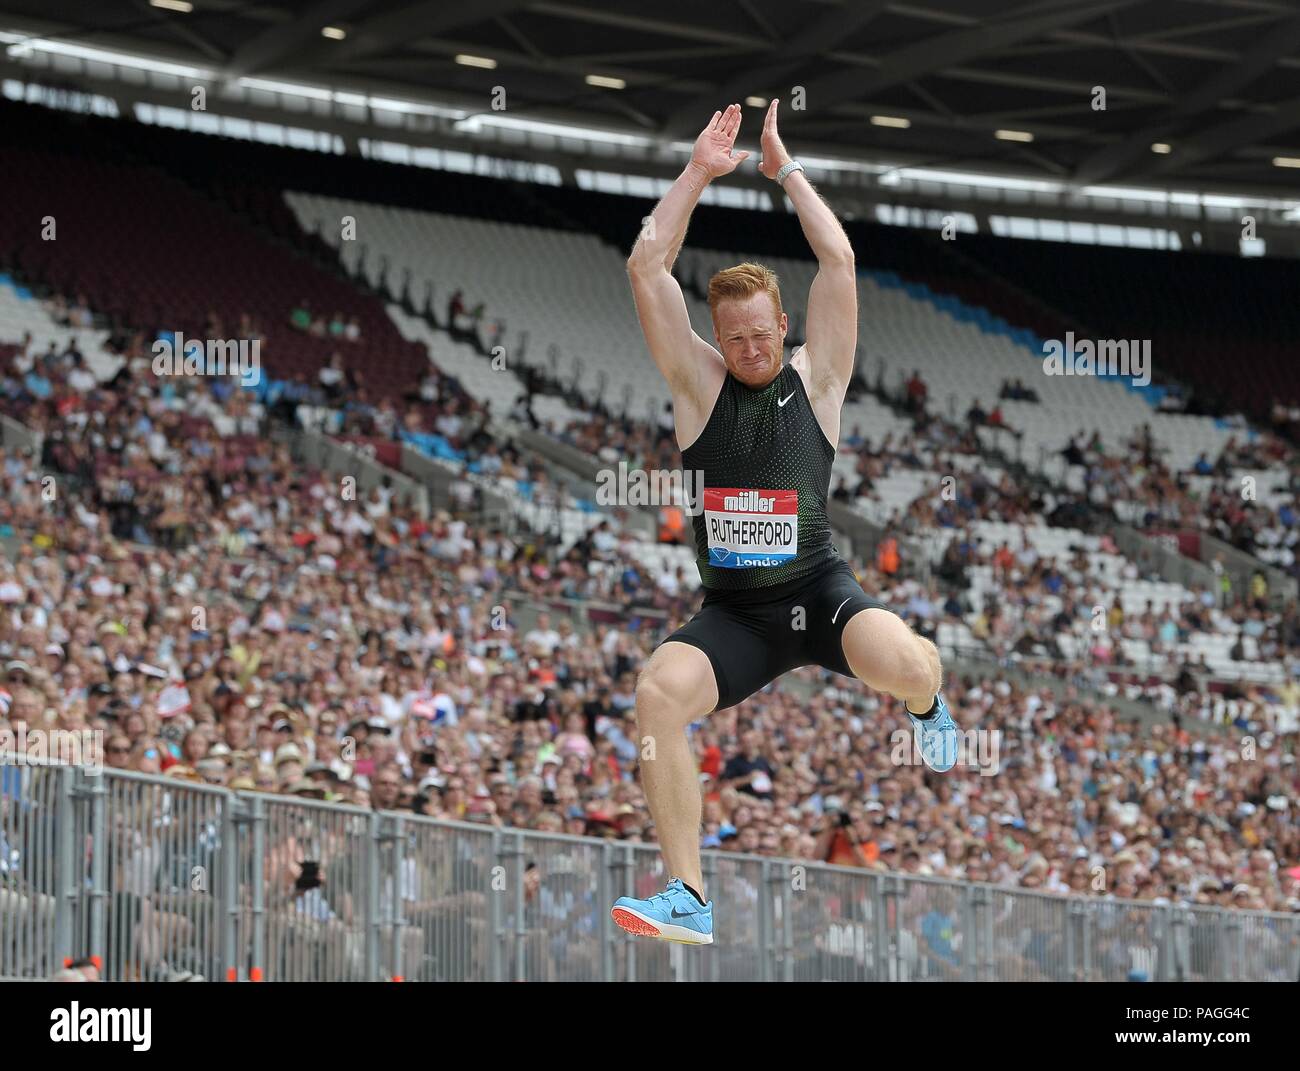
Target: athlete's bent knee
<point>887,655</point>
<point>675,688</point>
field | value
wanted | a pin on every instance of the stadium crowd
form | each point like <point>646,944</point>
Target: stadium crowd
<point>226,615</point>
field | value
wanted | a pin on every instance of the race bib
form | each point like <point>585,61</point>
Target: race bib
<point>748,527</point>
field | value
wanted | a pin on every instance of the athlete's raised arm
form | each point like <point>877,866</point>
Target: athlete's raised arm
<point>832,330</point>
<point>693,368</point>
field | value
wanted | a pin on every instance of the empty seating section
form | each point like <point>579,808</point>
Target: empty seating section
<point>567,290</point>
<point>1225,324</point>
<point>21,315</point>
<point>152,252</point>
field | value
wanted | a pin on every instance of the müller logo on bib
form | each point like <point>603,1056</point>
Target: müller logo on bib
<point>751,526</point>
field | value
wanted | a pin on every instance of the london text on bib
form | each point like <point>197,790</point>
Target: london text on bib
<point>751,526</point>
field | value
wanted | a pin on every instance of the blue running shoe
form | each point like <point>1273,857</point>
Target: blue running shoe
<point>672,915</point>
<point>937,737</point>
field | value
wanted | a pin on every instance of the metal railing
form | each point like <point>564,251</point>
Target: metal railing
<point>156,875</point>
<point>346,459</point>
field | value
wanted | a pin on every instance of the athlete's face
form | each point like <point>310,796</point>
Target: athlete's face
<point>751,336</point>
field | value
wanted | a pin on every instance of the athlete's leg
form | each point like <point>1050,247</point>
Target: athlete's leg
<point>888,656</point>
<point>852,633</point>
<point>676,688</point>
<point>857,635</point>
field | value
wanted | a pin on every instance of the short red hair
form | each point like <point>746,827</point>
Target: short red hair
<point>743,282</point>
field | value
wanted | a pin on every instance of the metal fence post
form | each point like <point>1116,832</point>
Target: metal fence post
<point>228,862</point>
<point>69,872</point>
<point>629,863</point>
<point>374,841</point>
<point>510,847</point>
<point>605,895</point>
<point>521,929</point>
<point>893,884</point>
<point>1072,924</point>
<point>970,942</point>
<point>879,941</point>
<point>1087,920</point>
<point>1160,920</point>
<point>788,901</point>
<point>709,870</point>
<point>258,878</point>
<point>396,910</point>
<point>1181,925</point>
<point>990,963</point>
<point>494,921</point>
<point>769,955</point>
<point>96,794</point>
<point>1234,971</point>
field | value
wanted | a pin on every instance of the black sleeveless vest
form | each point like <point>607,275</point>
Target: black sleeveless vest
<point>766,467</point>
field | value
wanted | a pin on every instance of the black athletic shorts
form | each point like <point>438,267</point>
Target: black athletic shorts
<point>753,636</point>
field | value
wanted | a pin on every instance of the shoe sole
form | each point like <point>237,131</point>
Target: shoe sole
<point>637,924</point>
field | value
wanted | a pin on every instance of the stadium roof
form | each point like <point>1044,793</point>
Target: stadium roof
<point>1214,85</point>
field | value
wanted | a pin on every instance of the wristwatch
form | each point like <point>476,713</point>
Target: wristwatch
<point>786,170</point>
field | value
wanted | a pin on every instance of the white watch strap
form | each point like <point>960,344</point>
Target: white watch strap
<point>786,170</point>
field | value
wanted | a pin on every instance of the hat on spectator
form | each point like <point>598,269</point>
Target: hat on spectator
<point>287,753</point>
<point>304,787</point>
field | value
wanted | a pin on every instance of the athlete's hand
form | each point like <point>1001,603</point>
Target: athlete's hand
<point>774,154</point>
<point>714,148</point>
